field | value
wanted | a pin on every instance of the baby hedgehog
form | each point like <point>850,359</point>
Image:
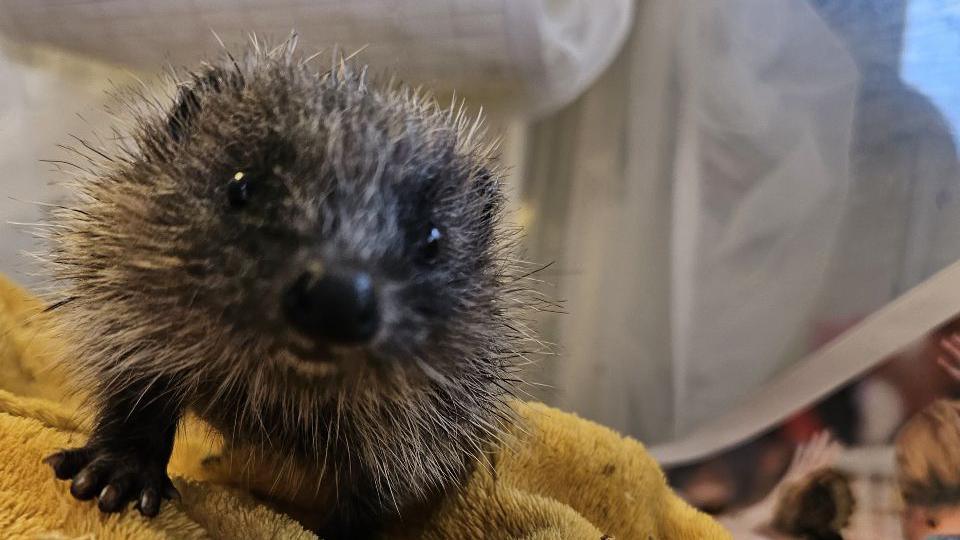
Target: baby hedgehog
<point>313,264</point>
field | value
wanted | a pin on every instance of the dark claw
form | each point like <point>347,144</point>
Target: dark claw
<point>56,461</point>
<point>122,487</point>
<point>85,484</point>
<point>110,500</point>
<point>67,463</point>
<point>149,503</point>
<point>170,491</point>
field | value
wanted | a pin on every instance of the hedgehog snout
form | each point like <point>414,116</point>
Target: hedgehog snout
<point>333,306</point>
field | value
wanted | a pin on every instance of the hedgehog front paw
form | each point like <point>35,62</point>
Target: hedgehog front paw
<point>115,477</point>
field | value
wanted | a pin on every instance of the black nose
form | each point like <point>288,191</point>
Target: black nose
<point>338,307</point>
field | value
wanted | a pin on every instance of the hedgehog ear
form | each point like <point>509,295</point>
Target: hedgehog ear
<point>188,100</point>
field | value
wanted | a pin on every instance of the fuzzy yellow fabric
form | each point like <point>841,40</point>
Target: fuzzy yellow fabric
<point>559,477</point>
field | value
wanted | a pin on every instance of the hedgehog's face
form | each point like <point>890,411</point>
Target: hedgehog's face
<point>325,225</point>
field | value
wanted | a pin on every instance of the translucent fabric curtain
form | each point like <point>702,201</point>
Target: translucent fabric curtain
<point>749,180</point>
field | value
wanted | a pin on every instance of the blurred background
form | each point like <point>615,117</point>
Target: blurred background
<point>725,188</point>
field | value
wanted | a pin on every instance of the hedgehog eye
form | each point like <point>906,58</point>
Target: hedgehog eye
<point>238,190</point>
<point>431,244</point>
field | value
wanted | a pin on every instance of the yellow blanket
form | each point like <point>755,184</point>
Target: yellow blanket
<point>564,478</point>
